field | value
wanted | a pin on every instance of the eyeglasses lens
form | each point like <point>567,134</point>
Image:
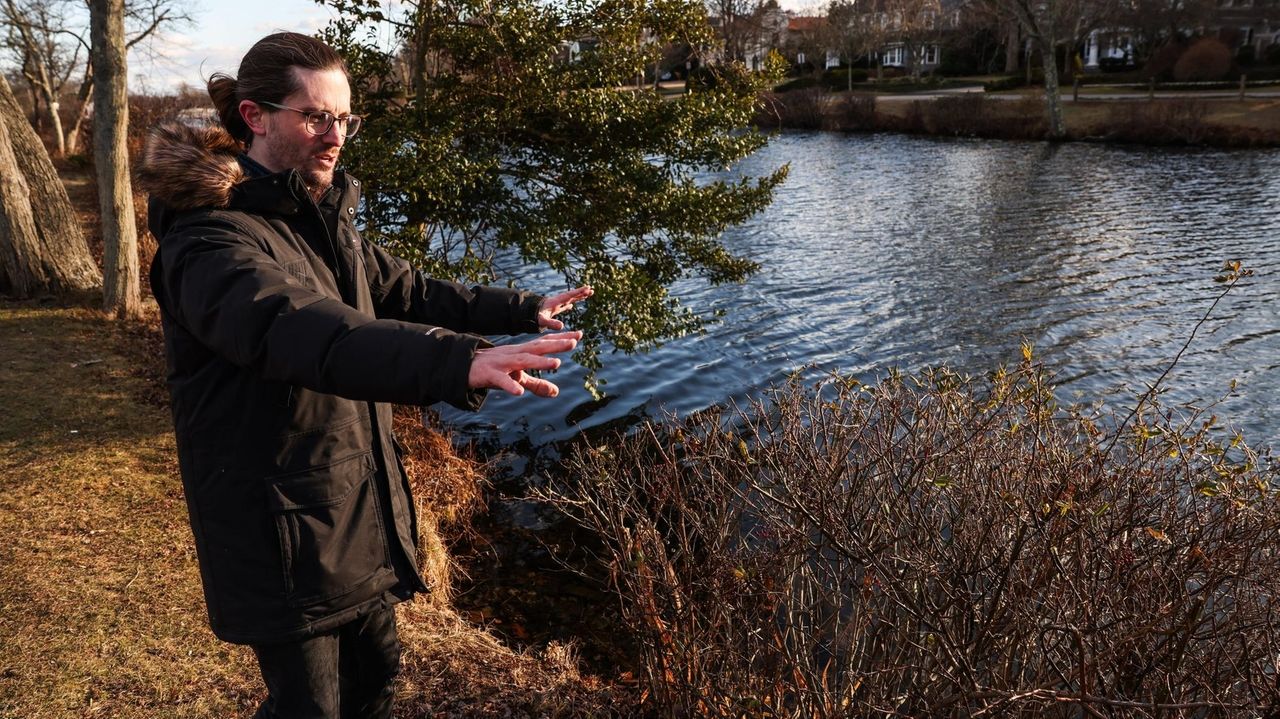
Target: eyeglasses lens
<point>318,123</point>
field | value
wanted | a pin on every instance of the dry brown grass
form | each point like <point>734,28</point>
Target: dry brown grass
<point>100,606</point>
<point>1226,122</point>
<point>451,669</point>
<point>101,613</point>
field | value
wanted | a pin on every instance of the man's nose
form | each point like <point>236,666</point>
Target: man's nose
<point>336,134</point>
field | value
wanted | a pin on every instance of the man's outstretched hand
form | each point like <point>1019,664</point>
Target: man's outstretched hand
<point>504,367</point>
<point>554,305</point>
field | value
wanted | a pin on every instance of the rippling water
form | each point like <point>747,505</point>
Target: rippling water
<point>885,250</point>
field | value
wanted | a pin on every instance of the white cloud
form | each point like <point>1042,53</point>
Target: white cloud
<point>217,40</point>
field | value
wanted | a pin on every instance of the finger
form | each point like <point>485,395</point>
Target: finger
<point>574,335</point>
<point>546,344</point>
<point>565,300</point>
<point>527,361</point>
<point>543,344</point>
<point>507,383</point>
<point>579,294</point>
<point>539,386</point>
<point>549,347</point>
<point>549,323</point>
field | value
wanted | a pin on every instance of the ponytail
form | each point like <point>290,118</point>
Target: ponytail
<point>226,100</point>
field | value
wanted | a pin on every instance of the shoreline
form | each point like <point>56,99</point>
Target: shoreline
<point>1194,121</point>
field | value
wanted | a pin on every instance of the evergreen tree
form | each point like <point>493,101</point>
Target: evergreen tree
<point>517,128</point>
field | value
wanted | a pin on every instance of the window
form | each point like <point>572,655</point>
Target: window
<point>931,55</point>
<point>893,57</point>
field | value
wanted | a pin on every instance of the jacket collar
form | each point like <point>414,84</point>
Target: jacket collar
<point>189,168</point>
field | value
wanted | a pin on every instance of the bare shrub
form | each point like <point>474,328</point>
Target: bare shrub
<point>799,109</point>
<point>1207,59</point>
<point>941,546</point>
<point>145,112</point>
<point>913,120</point>
<point>855,112</point>
<point>976,115</point>
<point>1027,113</point>
<point>1160,65</point>
<point>1166,121</point>
<point>965,114</point>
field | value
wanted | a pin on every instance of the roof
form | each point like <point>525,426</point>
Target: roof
<point>805,23</point>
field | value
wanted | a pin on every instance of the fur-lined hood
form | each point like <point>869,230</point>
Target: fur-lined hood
<point>187,167</point>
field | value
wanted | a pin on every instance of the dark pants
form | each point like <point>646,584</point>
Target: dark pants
<point>346,673</point>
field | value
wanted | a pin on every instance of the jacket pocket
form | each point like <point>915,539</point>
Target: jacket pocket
<point>331,537</point>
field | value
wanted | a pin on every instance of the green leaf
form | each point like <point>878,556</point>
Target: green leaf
<point>484,141</point>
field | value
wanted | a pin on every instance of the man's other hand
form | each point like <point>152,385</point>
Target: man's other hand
<point>504,367</point>
<point>554,305</point>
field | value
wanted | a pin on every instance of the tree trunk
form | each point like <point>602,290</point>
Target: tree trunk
<point>19,253</point>
<point>1011,49</point>
<point>121,289</point>
<point>55,122</point>
<point>37,117</point>
<point>51,108</point>
<point>60,262</point>
<point>1052,96</point>
<point>82,110</point>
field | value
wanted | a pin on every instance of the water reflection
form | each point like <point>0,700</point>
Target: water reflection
<point>897,251</point>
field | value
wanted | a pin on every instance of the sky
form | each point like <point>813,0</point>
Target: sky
<point>221,34</point>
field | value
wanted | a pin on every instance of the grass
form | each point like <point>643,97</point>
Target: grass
<point>101,610</point>
<point>100,606</point>
<point>101,613</point>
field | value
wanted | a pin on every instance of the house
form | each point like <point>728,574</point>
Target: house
<point>769,32</point>
<point>914,31</point>
<point>1253,24</point>
<point>1245,26</point>
<point>1107,47</point>
<point>806,43</point>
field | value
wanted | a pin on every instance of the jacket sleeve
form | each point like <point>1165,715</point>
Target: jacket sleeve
<point>218,284</point>
<point>401,292</point>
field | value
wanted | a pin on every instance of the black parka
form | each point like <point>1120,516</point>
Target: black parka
<point>286,335</point>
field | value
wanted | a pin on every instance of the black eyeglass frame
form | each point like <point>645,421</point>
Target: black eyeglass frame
<point>350,122</point>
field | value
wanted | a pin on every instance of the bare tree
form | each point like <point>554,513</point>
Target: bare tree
<point>18,250</point>
<point>41,41</point>
<point>50,46</point>
<point>807,37</point>
<point>855,29</point>
<point>918,25</point>
<point>42,249</point>
<point>121,289</point>
<point>1152,23</point>
<point>1050,25</point>
<point>737,22</point>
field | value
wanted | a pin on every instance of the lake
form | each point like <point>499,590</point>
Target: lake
<point>895,251</point>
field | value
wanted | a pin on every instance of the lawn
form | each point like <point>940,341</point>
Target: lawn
<point>101,613</point>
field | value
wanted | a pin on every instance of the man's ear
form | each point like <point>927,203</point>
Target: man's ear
<point>253,116</point>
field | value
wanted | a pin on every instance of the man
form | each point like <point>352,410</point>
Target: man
<point>286,334</point>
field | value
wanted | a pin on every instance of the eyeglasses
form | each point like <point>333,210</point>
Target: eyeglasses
<point>319,121</point>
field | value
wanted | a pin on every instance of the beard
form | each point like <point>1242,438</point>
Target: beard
<point>316,174</point>
<point>317,181</point>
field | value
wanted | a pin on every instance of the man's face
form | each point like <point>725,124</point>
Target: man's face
<point>287,144</point>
